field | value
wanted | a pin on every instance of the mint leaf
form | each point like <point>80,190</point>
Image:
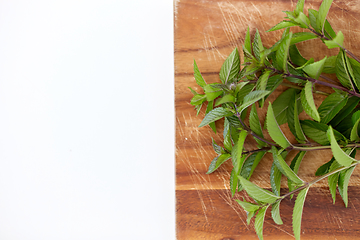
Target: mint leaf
<point>322,13</point>
<point>231,67</point>
<point>275,179</point>
<point>340,156</point>
<point>256,192</point>
<point>314,70</point>
<point>217,161</point>
<point>198,77</point>
<point>333,179</point>
<point>354,135</point>
<point>345,111</point>
<point>299,7</point>
<point>281,25</point>
<point>215,115</point>
<point>343,184</point>
<point>247,206</point>
<point>257,45</point>
<point>255,125</point>
<point>225,99</point>
<point>343,73</point>
<point>325,168</point>
<point>284,168</point>
<point>282,52</point>
<point>281,105</point>
<point>301,37</point>
<point>308,103</point>
<point>331,106</point>
<point>275,213</point>
<point>209,108</point>
<point>212,92</point>
<point>318,131</point>
<point>259,222</point>
<point>274,130</point>
<point>338,41</point>
<point>247,44</point>
<point>298,210</point>
<point>236,153</point>
<point>251,98</point>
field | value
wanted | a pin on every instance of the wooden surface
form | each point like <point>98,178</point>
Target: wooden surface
<point>207,31</point>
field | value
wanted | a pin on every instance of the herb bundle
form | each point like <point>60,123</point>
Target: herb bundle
<point>244,88</point>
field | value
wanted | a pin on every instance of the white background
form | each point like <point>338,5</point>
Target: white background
<point>86,120</point>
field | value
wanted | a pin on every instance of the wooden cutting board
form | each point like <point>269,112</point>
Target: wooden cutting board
<point>207,31</point>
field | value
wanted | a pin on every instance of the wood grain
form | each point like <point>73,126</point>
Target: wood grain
<point>207,31</point>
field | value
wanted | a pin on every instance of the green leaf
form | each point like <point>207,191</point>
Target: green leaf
<point>247,206</point>
<point>275,213</point>
<point>284,168</point>
<point>344,182</point>
<point>256,192</point>
<point>215,115</point>
<point>329,31</point>
<point>217,161</point>
<point>329,66</point>
<point>295,165</point>
<point>255,125</point>
<point>234,122</point>
<point>354,135</point>
<point>333,179</point>
<point>261,84</point>
<point>343,73</point>
<point>247,44</point>
<point>212,92</point>
<point>249,216</point>
<point>301,37</point>
<point>318,132</point>
<point>355,66</point>
<point>198,77</point>
<point>331,106</point>
<point>231,67</point>
<point>257,45</point>
<point>340,156</point>
<point>338,41</point>
<point>299,7</point>
<point>193,91</point>
<point>244,91</point>
<point>236,153</point>
<point>234,182</point>
<point>251,98</point>
<point>345,111</point>
<point>323,169</point>
<point>259,222</point>
<point>281,104</point>
<point>275,179</point>
<point>274,130</point>
<point>315,69</point>
<point>312,17</point>
<point>303,20</point>
<point>216,147</point>
<point>297,127</point>
<point>225,99</point>
<point>198,99</point>
<point>308,103</point>
<point>296,57</point>
<point>281,25</point>
<point>251,163</point>
<point>322,13</point>
<point>298,210</point>
<point>227,136</point>
<point>282,53</point>
<point>209,108</point>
